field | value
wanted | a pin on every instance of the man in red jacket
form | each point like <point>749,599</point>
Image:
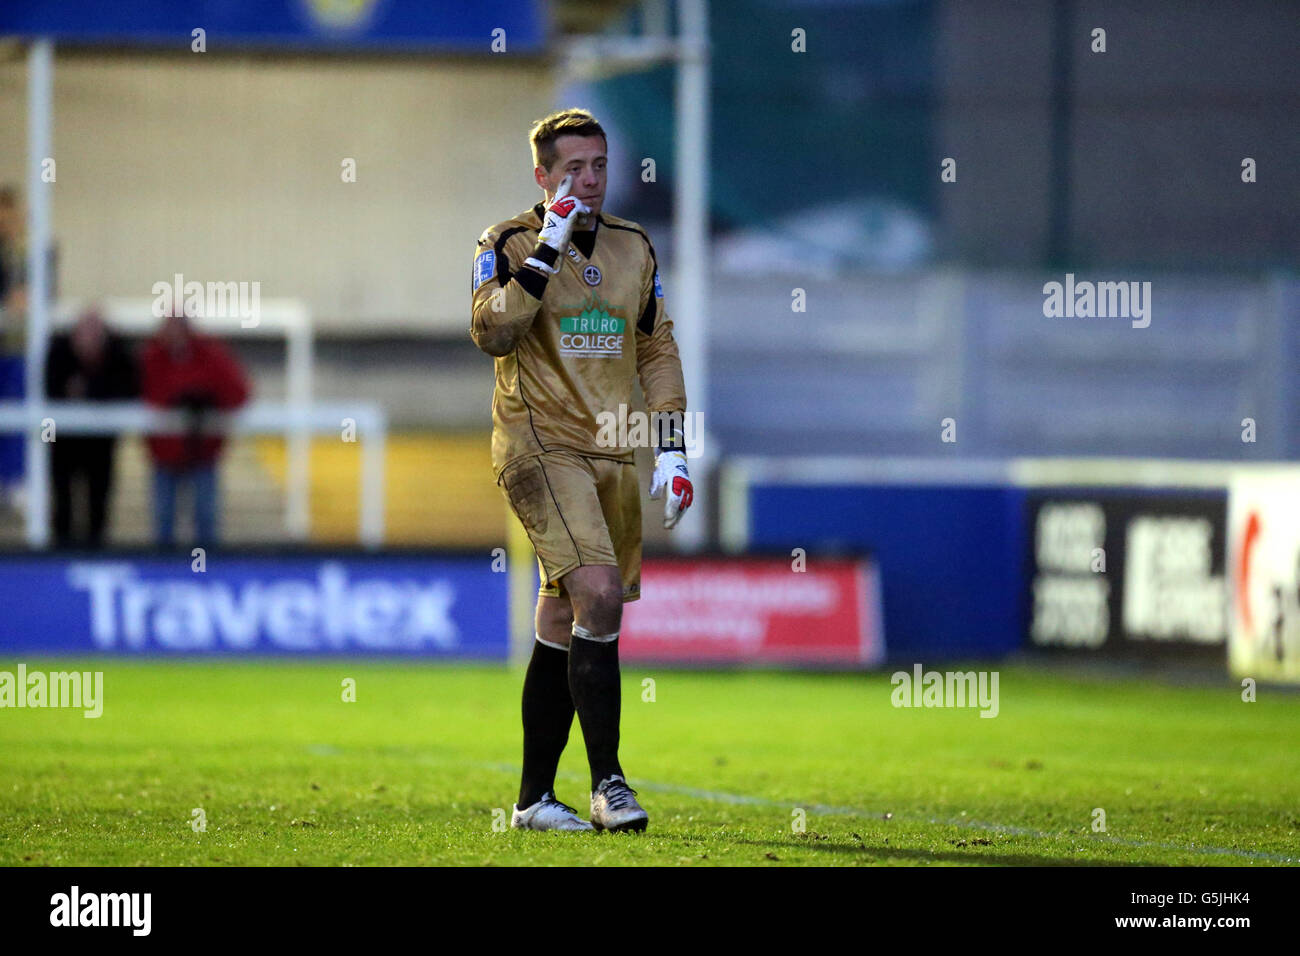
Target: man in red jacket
<point>184,369</point>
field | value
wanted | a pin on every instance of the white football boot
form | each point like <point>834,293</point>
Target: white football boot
<point>614,806</point>
<point>548,814</point>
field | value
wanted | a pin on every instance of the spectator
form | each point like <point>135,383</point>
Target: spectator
<point>13,315</point>
<point>13,271</point>
<point>87,364</point>
<point>13,331</point>
<point>184,369</point>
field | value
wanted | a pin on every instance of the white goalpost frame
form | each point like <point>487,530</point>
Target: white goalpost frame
<point>40,122</point>
<point>286,317</point>
<point>689,50</point>
<point>290,318</point>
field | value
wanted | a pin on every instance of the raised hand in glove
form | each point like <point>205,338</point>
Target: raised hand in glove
<point>557,228</point>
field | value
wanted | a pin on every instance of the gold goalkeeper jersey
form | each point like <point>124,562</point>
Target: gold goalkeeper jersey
<point>568,346</point>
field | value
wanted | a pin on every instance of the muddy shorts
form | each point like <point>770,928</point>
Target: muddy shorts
<point>578,511</point>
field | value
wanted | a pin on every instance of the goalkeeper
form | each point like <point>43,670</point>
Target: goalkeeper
<point>567,299</point>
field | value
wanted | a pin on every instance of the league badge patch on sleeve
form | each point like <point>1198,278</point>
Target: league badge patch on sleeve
<point>485,264</point>
<point>659,289</point>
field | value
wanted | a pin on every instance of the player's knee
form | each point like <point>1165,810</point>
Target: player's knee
<point>604,615</point>
<point>596,594</point>
<point>600,607</point>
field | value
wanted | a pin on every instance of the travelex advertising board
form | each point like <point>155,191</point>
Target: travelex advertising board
<point>701,611</point>
<point>434,607</point>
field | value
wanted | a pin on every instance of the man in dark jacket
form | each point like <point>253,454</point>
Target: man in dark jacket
<point>87,364</point>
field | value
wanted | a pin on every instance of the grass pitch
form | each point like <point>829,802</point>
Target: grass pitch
<point>422,765</point>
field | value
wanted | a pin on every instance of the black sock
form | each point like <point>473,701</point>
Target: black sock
<point>594,685</point>
<point>548,715</point>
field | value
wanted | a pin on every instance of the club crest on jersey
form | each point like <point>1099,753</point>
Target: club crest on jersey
<point>484,266</point>
<point>592,275</point>
<point>594,332</point>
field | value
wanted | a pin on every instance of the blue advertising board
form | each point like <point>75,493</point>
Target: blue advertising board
<point>156,605</point>
<point>951,558</point>
<point>339,24</point>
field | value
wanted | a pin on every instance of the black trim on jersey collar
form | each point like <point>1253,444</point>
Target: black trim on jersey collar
<point>646,323</point>
<point>639,232</point>
<point>600,217</point>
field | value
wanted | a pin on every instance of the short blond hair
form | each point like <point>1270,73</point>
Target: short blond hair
<point>570,122</point>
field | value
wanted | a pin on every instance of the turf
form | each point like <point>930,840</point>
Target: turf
<point>422,765</point>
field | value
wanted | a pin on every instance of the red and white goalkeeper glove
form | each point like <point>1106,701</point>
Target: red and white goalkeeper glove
<point>557,227</point>
<point>671,476</point>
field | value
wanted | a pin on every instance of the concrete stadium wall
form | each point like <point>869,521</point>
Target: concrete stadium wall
<point>227,168</point>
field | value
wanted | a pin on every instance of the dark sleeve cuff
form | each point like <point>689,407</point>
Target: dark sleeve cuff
<point>668,431</point>
<point>532,282</point>
<point>544,253</point>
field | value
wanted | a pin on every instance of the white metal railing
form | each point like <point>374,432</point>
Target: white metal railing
<point>258,418</point>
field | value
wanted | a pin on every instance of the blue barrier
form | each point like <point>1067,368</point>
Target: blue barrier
<point>952,559</point>
<point>437,607</point>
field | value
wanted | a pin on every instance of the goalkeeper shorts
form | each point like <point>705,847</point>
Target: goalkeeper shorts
<point>578,511</point>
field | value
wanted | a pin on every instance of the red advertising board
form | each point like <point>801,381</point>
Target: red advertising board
<point>755,611</point>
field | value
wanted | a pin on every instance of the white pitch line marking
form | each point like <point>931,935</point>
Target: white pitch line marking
<point>742,799</point>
